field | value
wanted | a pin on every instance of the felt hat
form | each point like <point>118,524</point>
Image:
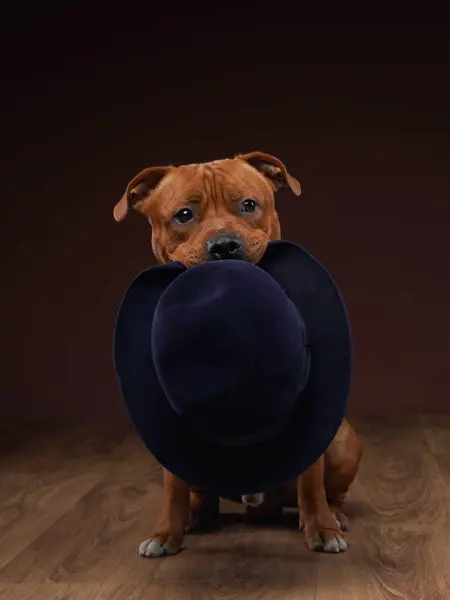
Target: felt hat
<point>235,376</point>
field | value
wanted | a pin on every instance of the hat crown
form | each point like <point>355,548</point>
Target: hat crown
<point>230,351</point>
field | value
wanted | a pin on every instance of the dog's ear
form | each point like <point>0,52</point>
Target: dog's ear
<point>139,188</point>
<point>272,168</point>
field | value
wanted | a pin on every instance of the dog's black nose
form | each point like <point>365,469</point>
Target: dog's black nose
<point>222,247</point>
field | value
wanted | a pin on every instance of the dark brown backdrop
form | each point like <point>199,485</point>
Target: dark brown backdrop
<point>359,113</point>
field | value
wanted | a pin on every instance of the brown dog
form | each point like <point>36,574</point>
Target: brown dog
<point>220,210</point>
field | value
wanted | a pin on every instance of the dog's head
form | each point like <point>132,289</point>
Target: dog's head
<point>210,211</point>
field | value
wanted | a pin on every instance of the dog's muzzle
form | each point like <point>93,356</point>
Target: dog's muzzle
<point>225,246</point>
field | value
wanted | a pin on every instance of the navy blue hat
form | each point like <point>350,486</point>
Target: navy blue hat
<point>236,376</point>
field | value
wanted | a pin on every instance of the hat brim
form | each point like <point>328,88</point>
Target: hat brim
<point>234,471</point>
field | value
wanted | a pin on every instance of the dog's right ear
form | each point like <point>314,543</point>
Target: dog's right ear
<point>139,188</point>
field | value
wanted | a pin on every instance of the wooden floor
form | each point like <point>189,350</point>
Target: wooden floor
<point>75,501</point>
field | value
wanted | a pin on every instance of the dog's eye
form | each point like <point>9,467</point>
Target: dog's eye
<point>184,216</point>
<point>249,206</point>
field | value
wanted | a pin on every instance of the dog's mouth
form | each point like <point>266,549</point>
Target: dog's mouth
<point>235,256</point>
<point>224,247</point>
<point>231,246</point>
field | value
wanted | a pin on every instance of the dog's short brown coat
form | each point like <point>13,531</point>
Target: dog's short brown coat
<point>214,193</point>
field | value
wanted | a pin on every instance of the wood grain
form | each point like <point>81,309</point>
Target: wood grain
<point>30,505</point>
<point>437,431</point>
<point>46,591</point>
<point>76,499</point>
<point>401,521</point>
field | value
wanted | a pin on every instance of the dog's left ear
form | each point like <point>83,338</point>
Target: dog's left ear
<point>272,168</point>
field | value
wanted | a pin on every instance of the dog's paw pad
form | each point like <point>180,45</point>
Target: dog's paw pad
<point>155,548</point>
<point>331,546</point>
<point>336,545</point>
<point>324,540</point>
<point>343,546</point>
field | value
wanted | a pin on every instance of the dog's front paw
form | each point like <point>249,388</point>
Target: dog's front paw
<point>324,535</point>
<point>161,544</point>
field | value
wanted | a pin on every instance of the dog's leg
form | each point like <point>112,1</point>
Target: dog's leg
<point>204,509</point>
<point>341,465</point>
<point>321,529</point>
<point>169,531</point>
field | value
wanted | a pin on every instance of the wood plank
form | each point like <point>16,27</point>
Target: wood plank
<point>30,505</point>
<point>53,591</point>
<point>399,483</point>
<point>390,563</point>
<point>69,533</point>
<point>126,591</point>
<point>94,540</point>
<point>437,431</point>
<point>399,547</point>
<point>37,447</point>
<point>255,563</point>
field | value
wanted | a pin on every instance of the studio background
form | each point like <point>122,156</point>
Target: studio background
<point>358,112</point>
